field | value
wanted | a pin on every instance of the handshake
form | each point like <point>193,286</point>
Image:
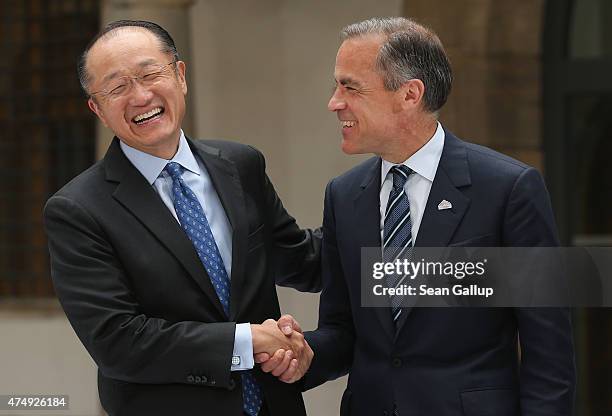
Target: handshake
<point>281,349</point>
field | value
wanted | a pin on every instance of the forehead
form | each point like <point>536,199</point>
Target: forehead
<point>357,55</point>
<point>123,49</point>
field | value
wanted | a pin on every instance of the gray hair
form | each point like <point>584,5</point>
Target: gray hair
<point>410,51</point>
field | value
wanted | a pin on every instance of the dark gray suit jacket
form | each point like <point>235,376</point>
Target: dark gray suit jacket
<point>442,361</point>
<point>140,300</point>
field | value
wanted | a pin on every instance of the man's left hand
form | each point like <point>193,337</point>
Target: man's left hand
<point>282,364</point>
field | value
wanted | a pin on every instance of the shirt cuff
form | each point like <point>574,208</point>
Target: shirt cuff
<point>242,356</point>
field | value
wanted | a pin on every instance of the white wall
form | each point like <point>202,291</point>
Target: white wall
<point>40,354</point>
<point>263,73</point>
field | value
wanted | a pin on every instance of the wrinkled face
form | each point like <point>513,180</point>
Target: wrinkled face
<point>135,92</point>
<point>366,110</point>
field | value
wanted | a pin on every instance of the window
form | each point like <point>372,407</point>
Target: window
<point>47,135</point>
<point>577,63</point>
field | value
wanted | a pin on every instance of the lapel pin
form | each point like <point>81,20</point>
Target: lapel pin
<point>444,204</point>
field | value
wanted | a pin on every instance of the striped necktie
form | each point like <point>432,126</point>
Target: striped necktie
<point>397,235</point>
<point>194,223</point>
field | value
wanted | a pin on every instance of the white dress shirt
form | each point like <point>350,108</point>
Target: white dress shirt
<point>424,164</point>
<point>197,178</point>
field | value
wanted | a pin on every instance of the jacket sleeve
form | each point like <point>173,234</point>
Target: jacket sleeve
<point>296,253</point>
<point>334,338</point>
<point>547,372</point>
<point>125,343</point>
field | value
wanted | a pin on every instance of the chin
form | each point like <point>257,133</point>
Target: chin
<point>350,149</point>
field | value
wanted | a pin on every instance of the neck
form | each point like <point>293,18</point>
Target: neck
<point>165,153</point>
<point>413,138</point>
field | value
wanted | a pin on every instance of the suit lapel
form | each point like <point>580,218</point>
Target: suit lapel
<point>139,197</point>
<point>226,181</point>
<point>367,215</point>
<point>438,226</point>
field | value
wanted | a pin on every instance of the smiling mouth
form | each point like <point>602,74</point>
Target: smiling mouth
<point>348,124</point>
<point>149,115</point>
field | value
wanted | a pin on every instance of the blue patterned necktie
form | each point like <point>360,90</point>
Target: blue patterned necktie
<point>194,223</point>
<point>397,235</point>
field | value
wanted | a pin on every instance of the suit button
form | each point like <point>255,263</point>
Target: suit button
<point>397,362</point>
<point>190,379</point>
<point>198,379</point>
<point>232,385</point>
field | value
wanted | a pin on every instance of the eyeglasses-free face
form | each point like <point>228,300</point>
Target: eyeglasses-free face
<point>367,111</point>
<point>138,94</point>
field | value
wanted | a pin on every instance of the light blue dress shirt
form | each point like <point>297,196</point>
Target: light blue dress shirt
<point>197,178</point>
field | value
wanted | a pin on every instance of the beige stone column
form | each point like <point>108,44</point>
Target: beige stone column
<point>172,15</point>
<point>494,49</point>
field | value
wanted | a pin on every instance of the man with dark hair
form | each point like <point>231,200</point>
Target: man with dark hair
<point>163,252</point>
<point>426,188</point>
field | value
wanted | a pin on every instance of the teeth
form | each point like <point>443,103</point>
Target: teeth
<point>348,123</point>
<point>150,114</point>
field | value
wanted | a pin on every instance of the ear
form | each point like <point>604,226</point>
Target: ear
<point>411,93</point>
<point>93,106</point>
<point>181,75</point>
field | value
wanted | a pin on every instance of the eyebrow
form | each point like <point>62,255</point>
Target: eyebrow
<point>348,81</point>
<point>141,64</point>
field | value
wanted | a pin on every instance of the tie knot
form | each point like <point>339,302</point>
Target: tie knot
<point>400,175</point>
<point>174,170</point>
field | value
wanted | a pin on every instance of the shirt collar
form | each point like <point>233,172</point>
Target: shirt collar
<point>424,161</point>
<point>151,166</point>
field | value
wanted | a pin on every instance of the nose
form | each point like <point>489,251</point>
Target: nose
<point>336,102</point>
<point>139,95</point>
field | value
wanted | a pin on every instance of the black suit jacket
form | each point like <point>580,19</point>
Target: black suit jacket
<point>140,300</point>
<point>442,361</point>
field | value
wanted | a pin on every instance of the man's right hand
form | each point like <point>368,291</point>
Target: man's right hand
<point>268,339</point>
<point>280,363</point>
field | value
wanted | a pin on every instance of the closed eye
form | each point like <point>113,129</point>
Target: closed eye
<point>118,90</point>
<point>152,76</point>
<point>344,86</point>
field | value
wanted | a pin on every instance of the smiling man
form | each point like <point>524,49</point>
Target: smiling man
<point>165,251</point>
<point>424,187</point>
